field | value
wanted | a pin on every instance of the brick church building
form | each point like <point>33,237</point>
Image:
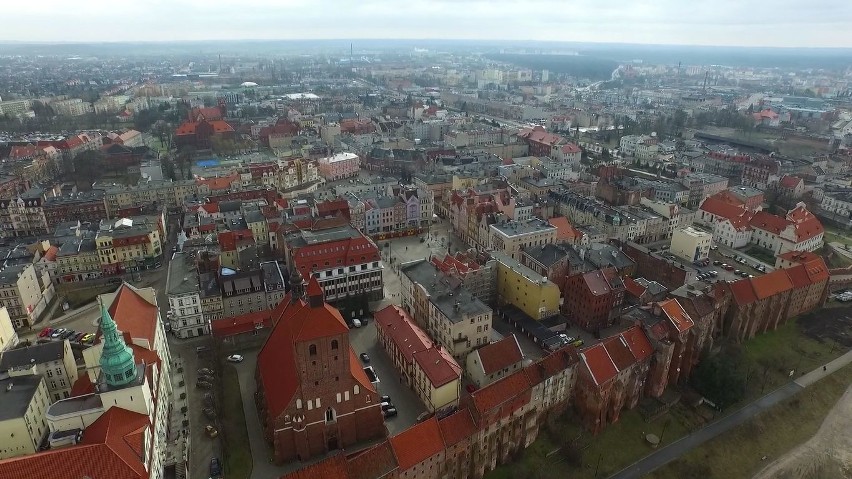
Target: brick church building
<point>312,394</point>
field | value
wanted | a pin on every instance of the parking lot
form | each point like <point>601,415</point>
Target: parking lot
<point>408,405</point>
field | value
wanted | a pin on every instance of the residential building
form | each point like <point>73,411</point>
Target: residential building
<point>22,420</point>
<point>25,214</point>
<point>479,279</point>
<point>182,287</point>
<point>553,261</point>
<point>838,203</point>
<point>20,293</point>
<point>509,237</point>
<point>339,166</point>
<point>593,300</point>
<point>313,396</point>
<point>131,244</point>
<point>529,291</point>
<point>344,261</point>
<point>494,361</point>
<point>451,315</point>
<point>78,260</point>
<point>53,360</point>
<point>200,134</point>
<point>799,230</point>
<point>160,194</point>
<point>79,206</point>
<point>71,107</point>
<point>424,366</point>
<point>8,334</point>
<point>419,450</point>
<point>691,244</point>
<point>809,275</point>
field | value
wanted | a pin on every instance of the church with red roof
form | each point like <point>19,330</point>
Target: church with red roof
<point>313,395</point>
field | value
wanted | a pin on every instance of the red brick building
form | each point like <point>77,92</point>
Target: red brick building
<point>809,275</point>
<point>611,377</point>
<point>758,304</point>
<point>312,394</point>
<point>591,298</point>
<point>540,142</point>
<point>198,133</point>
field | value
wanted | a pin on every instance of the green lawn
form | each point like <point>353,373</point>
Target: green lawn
<point>235,441</point>
<point>772,433</point>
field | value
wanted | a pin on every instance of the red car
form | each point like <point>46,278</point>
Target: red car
<point>44,332</point>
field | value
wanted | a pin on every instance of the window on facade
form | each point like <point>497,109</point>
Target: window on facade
<point>330,415</point>
<point>312,350</point>
<point>334,344</point>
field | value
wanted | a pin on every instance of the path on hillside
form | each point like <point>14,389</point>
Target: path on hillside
<point>680,447</point>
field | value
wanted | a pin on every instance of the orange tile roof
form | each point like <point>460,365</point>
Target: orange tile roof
<point>565,231</point>
<point>638,343</point>
<point>807,225</point>
<point>500,355</point>
<point>244,323</point>
<point>417,443</point>
<point>788,181</point>
<point>633,287</point>
<point>110,448</point>
<point>771,284</point>
<point>50,254</point>
<point>457,427</point>
<point>618,352</point>
<point>134,314</point>
<point>375,462</point>
<point>676,314</point>
<point>219,182</point>
<point>798,275</point>
<point>438,365</point>
<point>769,222</point>
<point>721,208</point>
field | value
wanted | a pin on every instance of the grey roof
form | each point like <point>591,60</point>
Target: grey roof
<point>446,293</point>
<point>209,285</point>
<point>17,399</point>
<point>514,228</point>
<point>604,255</point>
<point>10,274</point>
<point>547,255</point>
<point>183,275</point>
<point>272,277</point>
<point>253,216</point>
<point>228,206</point>
<point>305,238</point>
<point>35,354</point>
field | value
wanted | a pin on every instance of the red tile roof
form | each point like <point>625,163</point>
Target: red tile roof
<point>417,443</point>
<point>334,467</point>
<point>219,183</point>
<point>438,365</point>
<point>565,231</point>
<point>798,276</point>
<point>743,292</point>
<point>771,284</point>
<point>244,323</point>
<point>618,352</point>
<point>500,392</point>
<point>82,386</point>
<point>638,343</point>
<point>676,314</point>
<point>500,355</point>
<point>807,225</point>
<point>571,148</point>
<point>375,462</point>
<point>596,282</point>
<point>133,314</point>
<point>457,427</point>
<point>295,322</point>
<point>50,254</point>
<point>633,287</point>
<point>110,448</point>
<point>598,363</point>
<point>718,207</point>
<point>769,222</point>
<point>790,182</point>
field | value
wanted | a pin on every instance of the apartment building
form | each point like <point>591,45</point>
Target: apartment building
<point>22,423</point>
<point>448,311</point>
<point>131,244</point>
<point>691,244</point>
<point>24,214</point>
<point>169,194</point>
<point>182,287</point>
<point>532,293</point>
<point>494,361</point>
<point>424,366</point>
<point>78,260</point>
<point>510,236</point>
<point>20,293</point>
<point>53,360</point>
<point>339,166</point>
<point>71,107</point>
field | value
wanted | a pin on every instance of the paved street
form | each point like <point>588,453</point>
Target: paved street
<point>678,448</point>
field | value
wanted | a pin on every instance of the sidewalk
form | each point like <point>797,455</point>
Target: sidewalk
<point>685,444</point>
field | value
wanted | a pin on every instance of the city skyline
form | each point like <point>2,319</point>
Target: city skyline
<point>726,23</point>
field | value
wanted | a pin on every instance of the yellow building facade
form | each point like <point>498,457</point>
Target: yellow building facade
<point>527,290</point>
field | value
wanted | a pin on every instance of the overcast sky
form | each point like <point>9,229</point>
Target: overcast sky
<point>782,23</point>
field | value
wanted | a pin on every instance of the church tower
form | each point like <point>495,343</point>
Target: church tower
<point>117,362</point>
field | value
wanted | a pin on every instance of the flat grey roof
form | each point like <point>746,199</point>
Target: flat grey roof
<point>448,294</point>
<point>17,399</point>
<point>35,354</point>
<point>75,404</point>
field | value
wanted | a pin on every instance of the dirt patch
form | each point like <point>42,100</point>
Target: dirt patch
<point>827,454</point>
<point>829,324</point>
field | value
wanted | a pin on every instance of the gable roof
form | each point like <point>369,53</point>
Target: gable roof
<point>334,467</point>
<point>294,322</point>
<point>500,355</point>
<point>618,352</point>
<point>598,363</point>
<point>791,182</point>
<point>798,276</point>
<point>439,365</point>
<point>637,342</point>
<point>417,443</point>
<point>457,427</point>
<point>373,463</point>
<point>676,314</point>
<point>111,448</point>
<point>501,392</point>
<point>769,222</point>
<point>770,284</point>
<point>719,207</point>
<point>133,314</point>
<point>743,292</point>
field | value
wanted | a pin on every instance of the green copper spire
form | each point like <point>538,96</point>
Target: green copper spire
<point>117,362</point>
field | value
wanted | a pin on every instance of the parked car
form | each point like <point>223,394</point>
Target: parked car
<point>68,334</point>
<point>356,323</point>
<point>88,337</point>
<point>78,337</point>
<point>203,385</point>
<point>211,431</point>
<point>385,399</point>
<point>390,412</point>
<point>45,332</point>
<point>717,263</point>
<point>235,358</point>
<point>209,412</point>
<point>364,357</point>
<point>207,400</point>
<point>578,343</point>
<point>205,371</point>
<point>215,468</point>
<point>727,267</point>
<point>386,406</point>
<point>57,332</point>
<point>714,273</point>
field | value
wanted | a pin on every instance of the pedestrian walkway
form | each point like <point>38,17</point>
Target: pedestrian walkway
<point>685,444</point>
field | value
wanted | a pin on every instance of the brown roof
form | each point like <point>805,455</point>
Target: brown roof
<point>500,355</point>
<point>619,352</point>
<point>417,443</point>
<point>798,276</point>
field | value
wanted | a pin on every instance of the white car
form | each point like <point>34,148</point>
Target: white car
<point>235,358</point>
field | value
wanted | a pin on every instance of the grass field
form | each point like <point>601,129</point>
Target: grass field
<point>235,441</point>
<point>739,452</point>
